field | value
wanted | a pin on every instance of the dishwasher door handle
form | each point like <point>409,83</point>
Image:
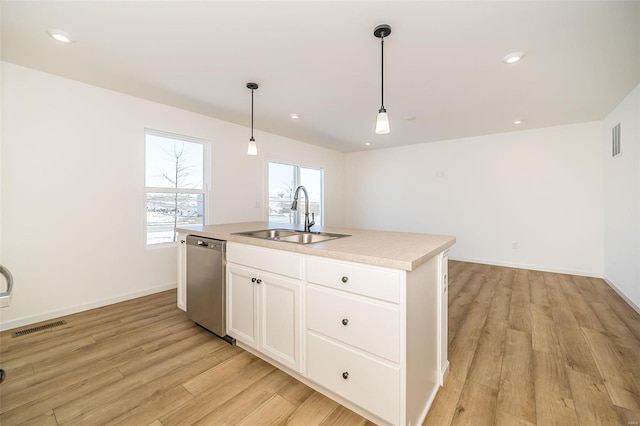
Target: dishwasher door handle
<point>203,244</point>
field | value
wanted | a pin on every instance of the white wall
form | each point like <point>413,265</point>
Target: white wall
<point>541,189</point>
<point>622,200</point>
<point>73,191</point>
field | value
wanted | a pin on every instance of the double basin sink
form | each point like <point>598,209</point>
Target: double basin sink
<point>292,236</point>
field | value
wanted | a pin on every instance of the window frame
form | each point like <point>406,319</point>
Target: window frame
<point>206,178</point>
<point>297,167</point>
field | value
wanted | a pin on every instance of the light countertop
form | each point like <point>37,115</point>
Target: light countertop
<point>398,250</point>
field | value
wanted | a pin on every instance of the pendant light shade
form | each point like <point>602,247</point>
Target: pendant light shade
<point>382,122</point>
<point>252,149</point>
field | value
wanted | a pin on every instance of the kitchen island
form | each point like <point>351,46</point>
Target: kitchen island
<point>361,319</point>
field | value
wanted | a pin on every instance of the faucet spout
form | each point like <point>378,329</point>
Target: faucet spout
<point>294,206</point>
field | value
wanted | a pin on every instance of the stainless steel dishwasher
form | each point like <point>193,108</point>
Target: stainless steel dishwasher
<point>206,292</point>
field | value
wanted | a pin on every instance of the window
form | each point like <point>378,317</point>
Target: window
<point>175,170</point>
<point>283,181</point>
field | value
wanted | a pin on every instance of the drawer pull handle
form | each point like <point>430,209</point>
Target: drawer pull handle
<point>345,279</point>
<point>345,321</point>
<point>345,375</point>
<point>253,280</point>
<point>258,281</point>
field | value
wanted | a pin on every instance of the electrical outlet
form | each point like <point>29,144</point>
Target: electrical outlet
<point>514,245</point>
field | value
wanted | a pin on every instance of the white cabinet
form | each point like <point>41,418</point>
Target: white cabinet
<point>370,337</point>
<point>264,309</point>
<point>182,271</point>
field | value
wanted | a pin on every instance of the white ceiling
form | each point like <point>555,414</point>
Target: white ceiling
<point>320,59</point>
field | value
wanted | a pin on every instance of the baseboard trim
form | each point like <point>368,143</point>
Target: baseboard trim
<point>32,319</point>
<point>529,267</point>
<point>623,295</point>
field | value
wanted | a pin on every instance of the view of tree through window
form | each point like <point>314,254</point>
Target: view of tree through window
<point>174,181</point>
<point>283,181</point>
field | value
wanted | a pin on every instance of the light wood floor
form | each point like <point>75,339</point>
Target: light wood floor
<point>525,348</point>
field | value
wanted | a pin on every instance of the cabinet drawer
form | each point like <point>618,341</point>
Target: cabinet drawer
<point>276,261</point>
<point>369,383</point>
<point>372,281</point>
<point>365,324</point>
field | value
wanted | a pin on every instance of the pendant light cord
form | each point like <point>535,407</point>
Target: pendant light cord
<point>251,115</point>
<point>382,71</point>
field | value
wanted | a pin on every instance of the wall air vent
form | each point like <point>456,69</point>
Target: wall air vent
<point>616,147</point>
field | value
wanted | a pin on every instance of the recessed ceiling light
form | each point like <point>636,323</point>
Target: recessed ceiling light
<point>519,121</point>
<point>61,36</point>
<point>295,116</point>
<point>367,143</point>
<point>512,58</point>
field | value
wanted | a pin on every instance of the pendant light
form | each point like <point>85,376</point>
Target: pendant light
<point>252,149</point>
<point>382,122</point>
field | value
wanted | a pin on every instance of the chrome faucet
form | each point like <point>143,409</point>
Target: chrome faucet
<point>294,207</point>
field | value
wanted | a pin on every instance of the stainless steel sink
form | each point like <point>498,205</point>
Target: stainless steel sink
<point>292,236</point>
<point>268,234</point>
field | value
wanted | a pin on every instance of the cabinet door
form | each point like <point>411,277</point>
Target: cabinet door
<point>242,304</point>
<point>280,318</point>
<point>182,272</point>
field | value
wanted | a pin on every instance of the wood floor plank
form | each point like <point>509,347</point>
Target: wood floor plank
<point>500,304</point>
<point>217,375</point>
<point>477,405</point>
<point>627,417</point>
<point>103,397</point>
<point>136,395</point>
<point>460,304</point>
<point>243,404</point>
<point>506,419</point>
<point>572,343</point>
<point>584,315</point>
<point>516,394</point>
<point>44,420</point>
<point>20,407</point>
<point>487,363</point>
<point>227,387</point>
<point>537,288</point>
<point>156,405</point>
<point>313,411</point>
<point>621,385</point>
<point>625,313</point>
<point>342,416</point>
<point>274,411</point>
<point>554,400</point>
<point>593,405</point>
<point>297,393</point>
<point>57,378</point>
<point>175,337</point>
<point>51,352</point>
<point>519,311</point>
<point>543,335</point>
<point>613,325</point>
<point>173,351</point>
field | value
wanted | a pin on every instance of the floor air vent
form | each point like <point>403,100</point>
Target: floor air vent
<point>38,328</point>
